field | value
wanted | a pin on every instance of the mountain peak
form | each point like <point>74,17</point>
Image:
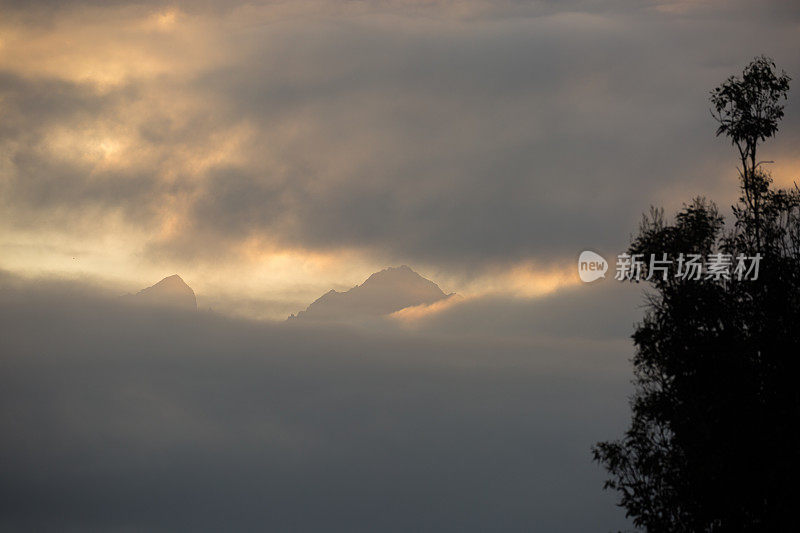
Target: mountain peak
<point>171,292</point>
<point>384,292</point>
<point>172,280</point>
<point>402,272</point>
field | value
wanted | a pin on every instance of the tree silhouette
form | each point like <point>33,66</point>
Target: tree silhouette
<point>713,443</point>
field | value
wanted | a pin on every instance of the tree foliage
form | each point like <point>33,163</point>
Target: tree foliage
<point>713,443</point>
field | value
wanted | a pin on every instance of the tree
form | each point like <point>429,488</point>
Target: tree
<point>748,110</point>
<point>713,443</point>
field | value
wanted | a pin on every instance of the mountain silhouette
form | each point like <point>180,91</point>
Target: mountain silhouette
<point>382,293</point>
<point>170,292</point>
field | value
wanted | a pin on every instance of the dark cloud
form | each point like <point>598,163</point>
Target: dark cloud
<point>120,418</point>
<point>490,142</point>
<point>438,139</point>
<point>46,187</point>
<point>30,106</point>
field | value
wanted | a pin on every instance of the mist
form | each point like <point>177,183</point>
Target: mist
<point>118,417</point>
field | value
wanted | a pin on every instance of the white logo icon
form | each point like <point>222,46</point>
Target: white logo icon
<point>591,266</point>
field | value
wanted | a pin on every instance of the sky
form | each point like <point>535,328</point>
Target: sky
<point>270,151</point>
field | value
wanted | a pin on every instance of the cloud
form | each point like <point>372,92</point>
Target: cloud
<point>589,313</point>
<point>119,418</point>
<point>462,139</point>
